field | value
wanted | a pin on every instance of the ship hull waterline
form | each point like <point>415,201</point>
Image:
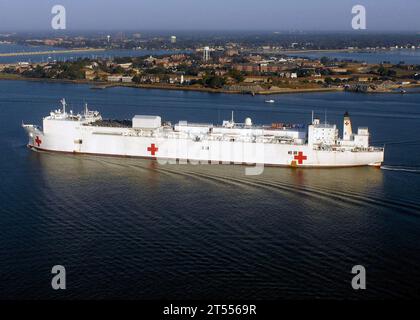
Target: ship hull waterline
<point>203,162</point>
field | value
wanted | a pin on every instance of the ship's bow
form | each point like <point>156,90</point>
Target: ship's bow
<point>34,135</point>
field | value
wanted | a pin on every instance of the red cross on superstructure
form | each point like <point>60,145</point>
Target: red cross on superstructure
<point>346,123</point>
<point>300,157</point>
<point>38,141</point>
<point>152,149</point>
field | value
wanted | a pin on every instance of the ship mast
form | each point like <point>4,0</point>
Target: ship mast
<point>63,103</point>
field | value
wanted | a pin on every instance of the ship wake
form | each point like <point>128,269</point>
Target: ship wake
<point>402,169</point>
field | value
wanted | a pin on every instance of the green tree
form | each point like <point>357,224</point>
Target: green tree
<point>137,78</point>
<point>324,60</point>
<point>236,75</point>
<point>214,81</point>
<point>328,80</point>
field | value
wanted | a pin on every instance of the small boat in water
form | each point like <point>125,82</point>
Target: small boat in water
<point>269,101</point>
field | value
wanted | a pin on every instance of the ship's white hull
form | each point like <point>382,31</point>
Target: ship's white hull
<point>113,142</point>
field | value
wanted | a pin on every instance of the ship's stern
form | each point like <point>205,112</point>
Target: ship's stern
<point>377,157</point>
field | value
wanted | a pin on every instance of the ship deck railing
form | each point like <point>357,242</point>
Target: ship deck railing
<point>352,149</point>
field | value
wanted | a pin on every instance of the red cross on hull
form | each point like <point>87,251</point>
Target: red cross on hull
<point>38,141</point>
<point>152,149</point>
<point>300,157</point>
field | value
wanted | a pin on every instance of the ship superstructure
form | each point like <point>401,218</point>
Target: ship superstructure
<point>146,136</point>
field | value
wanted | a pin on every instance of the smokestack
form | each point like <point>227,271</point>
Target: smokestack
<point>347,131</point>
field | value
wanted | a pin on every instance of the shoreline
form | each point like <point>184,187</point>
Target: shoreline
<point>210,90</point>
<point>105,85</point>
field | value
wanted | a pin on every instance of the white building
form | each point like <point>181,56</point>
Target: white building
<point>115,78</point>
<point>119,78</point>
<point>126,79</point>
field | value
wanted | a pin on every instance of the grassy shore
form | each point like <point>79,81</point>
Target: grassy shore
<point>161,86</point>
<point>211,90</point>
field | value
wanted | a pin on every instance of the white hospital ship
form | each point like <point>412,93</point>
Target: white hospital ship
<point>146,136</point>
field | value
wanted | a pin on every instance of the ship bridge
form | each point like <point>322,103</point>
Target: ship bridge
<point>60,120</point>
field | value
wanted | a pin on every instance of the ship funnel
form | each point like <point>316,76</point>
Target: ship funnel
<point>347,131</point>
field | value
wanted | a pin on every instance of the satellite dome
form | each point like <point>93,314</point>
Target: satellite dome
<point>248,122</point>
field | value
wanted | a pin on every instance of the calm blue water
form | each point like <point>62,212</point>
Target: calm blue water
<point>10,48</point>
<point>394,56</point>
<point>128,228</point>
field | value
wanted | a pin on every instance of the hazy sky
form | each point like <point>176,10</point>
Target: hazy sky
<point>210,15</point>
